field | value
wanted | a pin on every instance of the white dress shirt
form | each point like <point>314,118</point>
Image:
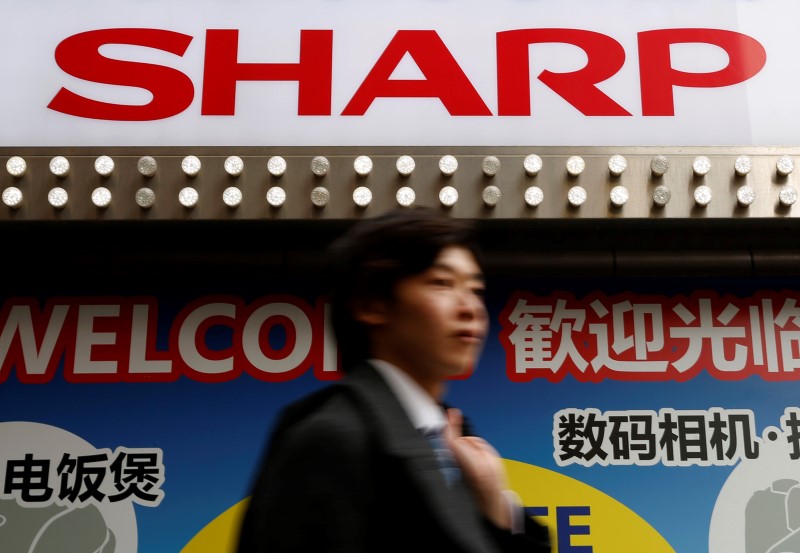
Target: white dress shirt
<point>426,414</point>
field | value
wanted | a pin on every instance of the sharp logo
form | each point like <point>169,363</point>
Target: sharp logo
<point>173,91</point>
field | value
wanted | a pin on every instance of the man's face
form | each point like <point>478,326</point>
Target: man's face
<point>434,326</point>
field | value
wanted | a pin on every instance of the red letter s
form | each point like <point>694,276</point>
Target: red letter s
<point>79,56</point>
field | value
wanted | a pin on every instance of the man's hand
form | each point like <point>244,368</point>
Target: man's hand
<point>482,467</point>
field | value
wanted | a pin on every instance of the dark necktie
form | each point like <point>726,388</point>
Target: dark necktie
<point>444,455</point>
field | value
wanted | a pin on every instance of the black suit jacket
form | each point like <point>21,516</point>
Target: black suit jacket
<point>346,471</point>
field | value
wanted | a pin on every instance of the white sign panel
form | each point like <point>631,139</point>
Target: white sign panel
<point>416,72</point>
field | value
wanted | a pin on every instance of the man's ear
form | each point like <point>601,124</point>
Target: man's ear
<point>371,312</point>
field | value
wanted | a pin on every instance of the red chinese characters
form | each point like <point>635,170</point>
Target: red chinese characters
<point>629,337</point>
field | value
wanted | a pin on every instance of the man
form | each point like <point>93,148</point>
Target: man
<point>374,463</point>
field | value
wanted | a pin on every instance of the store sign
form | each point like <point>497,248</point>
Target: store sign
<point>444,79</point>
<point>630,420</point>
<point>315,72</point>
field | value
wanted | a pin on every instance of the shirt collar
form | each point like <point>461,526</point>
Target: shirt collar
<point>423,411</point>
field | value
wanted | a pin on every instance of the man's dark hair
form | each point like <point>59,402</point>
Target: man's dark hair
<point>368,261</point>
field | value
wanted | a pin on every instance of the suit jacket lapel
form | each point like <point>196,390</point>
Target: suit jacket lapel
<point>452,506</point>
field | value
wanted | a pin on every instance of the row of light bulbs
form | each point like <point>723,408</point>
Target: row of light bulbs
<point>448,165</point>
<point>405,196</point>
<point>276,196</point>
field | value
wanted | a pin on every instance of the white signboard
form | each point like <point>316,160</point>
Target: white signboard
<point>416,72</point>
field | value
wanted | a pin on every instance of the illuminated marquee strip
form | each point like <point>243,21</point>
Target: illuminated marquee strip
<point>348,182</point>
